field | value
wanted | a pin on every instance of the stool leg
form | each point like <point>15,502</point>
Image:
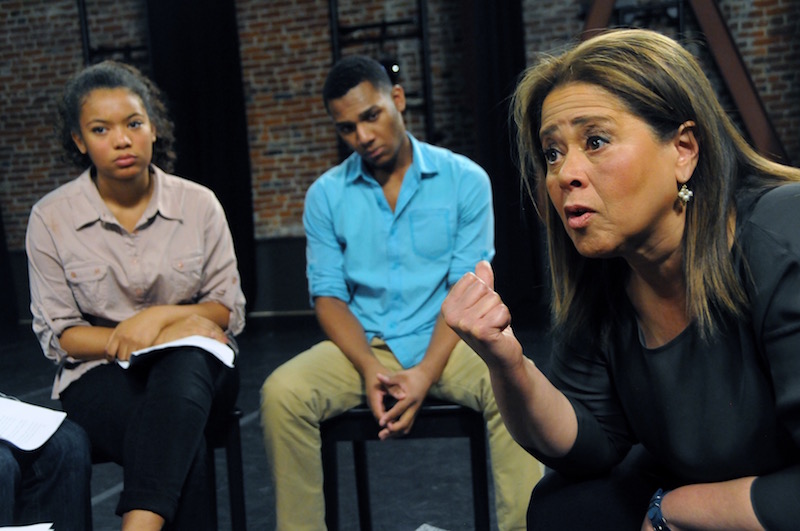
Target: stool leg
<point>480,478</point>
<point>233,454</point>
<point>212,474</point>
<point>362,485</point>
<point>330,487</point>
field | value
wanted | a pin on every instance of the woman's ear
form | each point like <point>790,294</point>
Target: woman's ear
<point>79,143</point>
<point>688,149</point>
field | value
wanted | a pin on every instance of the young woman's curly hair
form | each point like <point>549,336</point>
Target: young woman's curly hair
<point>110,75</point>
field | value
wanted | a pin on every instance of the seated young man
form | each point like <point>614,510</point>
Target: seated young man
<point>389,230</point>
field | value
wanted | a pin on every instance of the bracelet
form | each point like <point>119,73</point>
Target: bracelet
<point>654,514</point>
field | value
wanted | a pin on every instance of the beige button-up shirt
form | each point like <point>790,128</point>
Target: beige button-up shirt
<point>86,269</point>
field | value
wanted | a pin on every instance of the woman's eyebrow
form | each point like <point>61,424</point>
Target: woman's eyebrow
<point>580,120</point>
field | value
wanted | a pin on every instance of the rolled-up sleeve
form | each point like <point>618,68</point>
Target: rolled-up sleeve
<point>222,282</point>
<point>324,254</point>
<point>475,237</point>
<point>53,306</point>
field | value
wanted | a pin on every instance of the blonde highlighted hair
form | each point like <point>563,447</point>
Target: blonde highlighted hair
<point>661,83</point>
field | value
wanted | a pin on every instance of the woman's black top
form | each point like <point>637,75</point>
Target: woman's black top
<point>713,410</point>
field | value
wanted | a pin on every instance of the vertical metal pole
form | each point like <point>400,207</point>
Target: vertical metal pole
<point>84,31</point>
<point>430,129</point>
<point>333,9</point>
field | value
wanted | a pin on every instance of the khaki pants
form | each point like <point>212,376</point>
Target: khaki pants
<point>321,383</point>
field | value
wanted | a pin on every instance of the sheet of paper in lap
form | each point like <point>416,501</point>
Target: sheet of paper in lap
<point>220,350</point>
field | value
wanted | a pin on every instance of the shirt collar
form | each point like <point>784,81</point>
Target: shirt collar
<point>420,163</point>
<point>169,205</point>
<point>91,207</point>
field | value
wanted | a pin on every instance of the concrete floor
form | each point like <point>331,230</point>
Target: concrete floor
<point>414,483</point>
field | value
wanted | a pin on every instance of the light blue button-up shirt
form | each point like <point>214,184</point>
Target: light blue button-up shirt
<point>394,269</point>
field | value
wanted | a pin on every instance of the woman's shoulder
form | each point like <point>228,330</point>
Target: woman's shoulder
<point>436,159</point>
<point>767,227</point>
<point>69,192</point>
<point>176,186</point>
<point>772,211</point>
<point>773,204</point>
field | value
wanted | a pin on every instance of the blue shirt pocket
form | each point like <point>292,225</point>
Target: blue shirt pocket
<point>431,235</point>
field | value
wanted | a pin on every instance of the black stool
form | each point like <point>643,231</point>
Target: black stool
<point>228,436</point>
<point>436,418</point>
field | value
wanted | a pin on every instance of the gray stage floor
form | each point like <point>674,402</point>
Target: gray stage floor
<point>414,483</point>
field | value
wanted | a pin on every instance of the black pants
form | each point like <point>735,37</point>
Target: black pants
<point>616,501</point>
<point>151,419</point>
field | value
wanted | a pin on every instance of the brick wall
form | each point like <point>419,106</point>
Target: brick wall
<point>36,53</point>
<point>768,36</point>
<point>285,58</point>
<point>40,47</point>
<point>284,52</point>
<point>285,49</point>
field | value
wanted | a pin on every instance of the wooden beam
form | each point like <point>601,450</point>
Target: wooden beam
<point>738,81</point>
<point>731,66</point>
<point>597,18</point>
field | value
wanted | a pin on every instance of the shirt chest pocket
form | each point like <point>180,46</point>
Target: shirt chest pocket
<point>89,285</point>
<point>431,235</point>
<point>186,277</point>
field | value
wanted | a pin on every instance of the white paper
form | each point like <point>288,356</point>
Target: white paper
<point>27,426</point>
<point>32,527</point>
<point>222,351</point>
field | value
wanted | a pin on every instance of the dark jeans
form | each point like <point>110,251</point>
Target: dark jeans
<point>151,420</point>
<point>616,501</point>
<point>50,484</point>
